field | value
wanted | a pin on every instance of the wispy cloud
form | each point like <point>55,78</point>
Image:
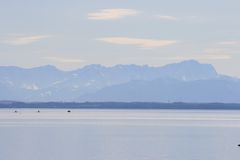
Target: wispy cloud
<point>215,57</point>
<point>178,18</point>
<point>230,49</point>
<point>201,57</point>
<point>215,50</point>
<point>63,60</point>
<point>143,43</point>
<point>230,43</point>
<point>23,39</point>
<point>111,14</point>
<point>165,17</point>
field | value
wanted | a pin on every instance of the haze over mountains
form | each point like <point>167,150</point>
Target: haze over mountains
<point>187,81</point>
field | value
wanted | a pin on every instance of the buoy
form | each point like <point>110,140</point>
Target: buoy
<point>238,145</point>
<point>38,111</point>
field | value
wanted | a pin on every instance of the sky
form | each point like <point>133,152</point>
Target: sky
<point>74,33</point>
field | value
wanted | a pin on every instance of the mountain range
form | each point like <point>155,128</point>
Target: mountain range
<point>187,81</point>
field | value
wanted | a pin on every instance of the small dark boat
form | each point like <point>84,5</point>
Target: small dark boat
<point>68,111</point>
<point>238,145</point>
<point>38,111</point>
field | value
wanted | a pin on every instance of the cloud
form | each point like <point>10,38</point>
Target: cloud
<point>112,14</point>
<point>23,39</point>
<point>179,18</point>
<point>165,17</point>
<point>201,57</point>
<point>143,43</point>
<point>230,43</point>
<point>64,60</point>
<point>214,50</point>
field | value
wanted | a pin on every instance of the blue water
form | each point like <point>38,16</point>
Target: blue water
<point>119,135</point>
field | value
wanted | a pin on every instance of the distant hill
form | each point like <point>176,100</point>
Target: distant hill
<point>187,81</point>
<point>170,90</point>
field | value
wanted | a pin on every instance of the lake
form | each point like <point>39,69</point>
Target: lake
<point>55,134</point>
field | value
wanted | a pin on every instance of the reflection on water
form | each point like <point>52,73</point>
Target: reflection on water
<point>119,135</point>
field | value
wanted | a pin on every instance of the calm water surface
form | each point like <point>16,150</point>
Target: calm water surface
<point>119,135</point>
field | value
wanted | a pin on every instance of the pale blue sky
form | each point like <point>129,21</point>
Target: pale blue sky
<point>74,33</point>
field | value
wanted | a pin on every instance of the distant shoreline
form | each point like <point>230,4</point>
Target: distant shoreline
<point>120,105</point>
